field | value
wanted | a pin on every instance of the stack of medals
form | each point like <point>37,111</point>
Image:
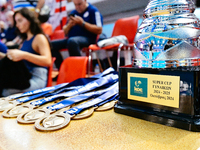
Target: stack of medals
<point>168,36</point>
<point>52,108</point>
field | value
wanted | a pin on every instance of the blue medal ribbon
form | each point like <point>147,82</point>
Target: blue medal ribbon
<point>75,99</point>
<point>26,99</point>
<point>78,82</point>
<point>38,91</point>
<point>115,97</point>
<point>106,80</point>
<point>105,72</point>
<point>109,94</point>
<point>69,101</point>
<point>43,94</point>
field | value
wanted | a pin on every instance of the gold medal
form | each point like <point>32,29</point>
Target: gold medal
<point>84,114</point>
<point>106,106</point>
<point>53,122</point>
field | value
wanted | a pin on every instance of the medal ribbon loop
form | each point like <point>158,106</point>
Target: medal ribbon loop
<point>114,90</point>
<point>69,101</point>
<point>106,80</point>
<point>80,81</point>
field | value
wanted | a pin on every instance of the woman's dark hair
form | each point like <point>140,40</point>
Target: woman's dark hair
<point>35,26</point>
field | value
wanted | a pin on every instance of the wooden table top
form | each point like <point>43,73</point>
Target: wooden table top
<point>102,131</point>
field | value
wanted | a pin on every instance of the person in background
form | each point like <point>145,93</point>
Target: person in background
<point>10,33</point>
<point>83,27</point>
<point>10,38</point>
<point>58,15</point>
<point>47,27</point>
<point>3,11</point>
<point>2,30</point>
<point>35,51</point>
<point>34,5</point>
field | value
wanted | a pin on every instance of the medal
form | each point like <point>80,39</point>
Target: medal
<point>11,103</point>
<point>106,80</point>
<point>33,115</point>
<point>68,102</point>
<point>58,121</point>
<point>106,106</point>
<point>53,122</point>
<point>3,99</point>
<point>18,109</point>
<point>30,93</point>
<point>84,114</point>
<point>7,105</point>
<point>8,98</point>
<point>71,86</point>
<point>13,112</point>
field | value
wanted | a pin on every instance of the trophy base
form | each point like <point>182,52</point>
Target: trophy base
<point>186,116</point>
<point>160,118</point>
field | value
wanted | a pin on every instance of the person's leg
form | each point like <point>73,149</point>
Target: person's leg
<point>75,44</point>
<point>57,45</point>
<point>38,81</point>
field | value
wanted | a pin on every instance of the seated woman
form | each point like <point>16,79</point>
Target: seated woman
<point>35,51</point>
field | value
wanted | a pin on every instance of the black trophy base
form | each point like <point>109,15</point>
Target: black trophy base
<point>158,117</point>
<point>186,116</point>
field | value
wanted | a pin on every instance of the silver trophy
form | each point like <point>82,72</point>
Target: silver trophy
<point>168,36</point>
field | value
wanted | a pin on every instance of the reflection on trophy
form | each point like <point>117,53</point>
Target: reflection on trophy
<point>168,36</point>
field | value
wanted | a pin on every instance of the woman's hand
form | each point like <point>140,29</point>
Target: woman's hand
<point>15,54</point>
